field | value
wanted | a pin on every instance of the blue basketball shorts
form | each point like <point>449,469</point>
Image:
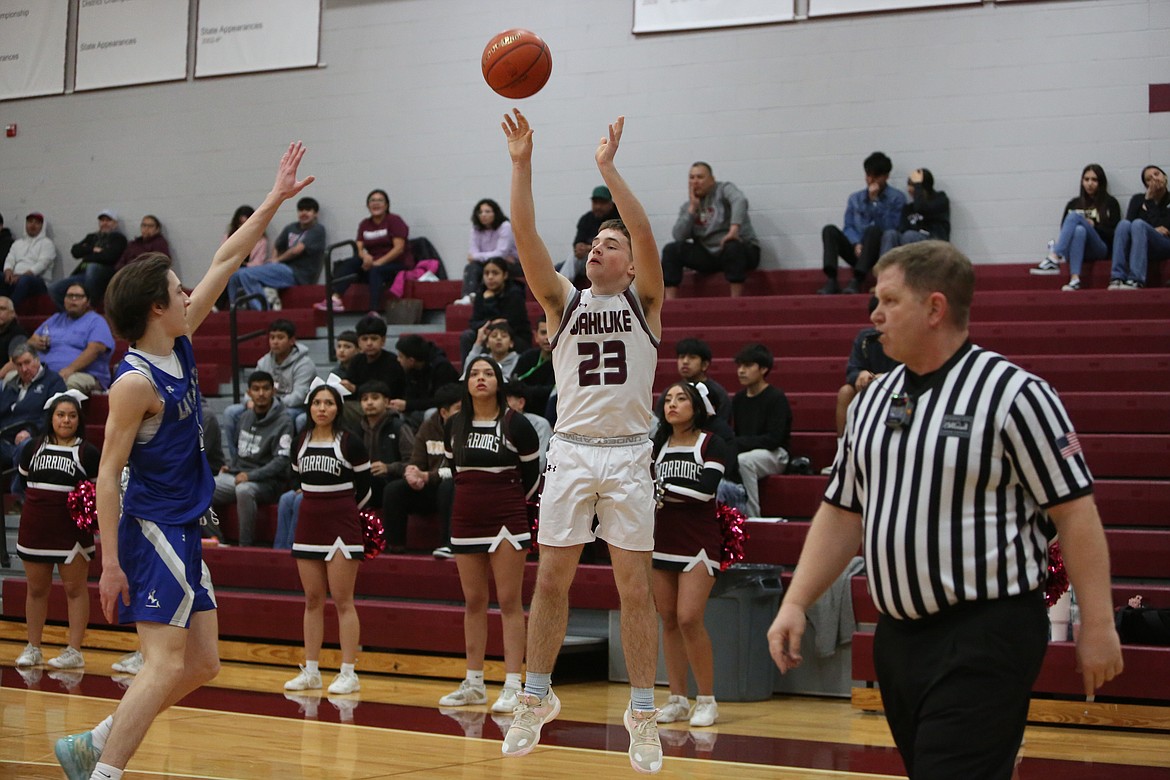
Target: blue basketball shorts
<point>168,579</point>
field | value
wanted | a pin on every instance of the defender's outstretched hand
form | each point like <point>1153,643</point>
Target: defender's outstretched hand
<point>607,147</point>
<point>519,136</point>
<point>286,185</point>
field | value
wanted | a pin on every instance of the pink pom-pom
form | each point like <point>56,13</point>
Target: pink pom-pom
<point>533,520</point>
<point>1057,581</point>
<point>82,503</point>
<point>372,533</point>
<point>731,521</point>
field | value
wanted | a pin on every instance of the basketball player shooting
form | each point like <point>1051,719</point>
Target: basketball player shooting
<point>153,573</point>
<point>604,354</point>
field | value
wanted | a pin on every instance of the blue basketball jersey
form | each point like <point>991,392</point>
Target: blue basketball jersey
<point>170,482</point>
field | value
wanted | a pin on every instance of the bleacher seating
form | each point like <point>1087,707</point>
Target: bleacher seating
<point>1106,353</point>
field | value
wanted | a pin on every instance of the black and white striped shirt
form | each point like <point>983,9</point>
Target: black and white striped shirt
<point>952,503</point>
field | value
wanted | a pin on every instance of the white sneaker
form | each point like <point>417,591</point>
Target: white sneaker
<point>346,682</point>
<point>131,663</point>
<point>443,552</point>
<point>507,700</point>
<point>1047,267</point>
<point>70,658</point>
<point>466,693</point>
<point>464,301</point>
<point>529,717</point>
<point>645,747</point>
<point>705,713</point>
<point>304,681</point>
<point>677,708</point>
<point>30,657</point>
<point>428,276</point>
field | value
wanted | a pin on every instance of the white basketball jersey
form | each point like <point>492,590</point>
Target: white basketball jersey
<point>604,356</point>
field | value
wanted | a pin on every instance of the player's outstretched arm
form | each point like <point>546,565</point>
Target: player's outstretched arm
<point>647,268</point>
<point>131,399</point>
<point>239,245</point>
<point>549,287</point>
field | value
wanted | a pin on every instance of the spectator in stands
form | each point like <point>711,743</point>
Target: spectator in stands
<point>713,232</point>
<point>28,264</point>
<point>762,420</point>
<point>499,298</point>
<point>868,214</point>
<point>345,346</point>
<point>98,252</point>
<point>10,330</point>
<point>517,396</point>
<point>373,360</point>
<point>601,208</point>
<point>1086,228</point>
<point>292,371</point>
<point>491,236</point>
<point>212,439</point>
<point>300,248</point>
<point>382,251</point>
<point>494,453</point>
<point>694,359</point>
<point>867,361</point>
<point>1144,234</point>
<point>54,465</point>
<point>6,239</point>
<point>688,547</point>
<point>495,341</point>
<point>388,439</point>
<point>535,368</point>
<point>77,343</point>
<point>258,471</point>
<point>426,368</point>
<point>22,401</point>
<point>426,486</point>
<point>926,215</point>
<point>150,239</point>
<point>333,469</point>
<point>258,256</point>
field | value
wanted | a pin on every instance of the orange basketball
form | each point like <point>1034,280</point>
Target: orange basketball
<point>516,63</point>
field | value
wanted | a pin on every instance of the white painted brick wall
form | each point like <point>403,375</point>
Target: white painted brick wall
<point>1004,103</point>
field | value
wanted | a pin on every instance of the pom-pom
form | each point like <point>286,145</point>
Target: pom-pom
<point>1057,581</point>
<point>373,533</point>
<point>731,521</point>
<point>82,503</point>
<point>533,509</point>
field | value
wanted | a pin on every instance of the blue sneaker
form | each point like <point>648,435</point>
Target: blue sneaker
<point>77,755</point>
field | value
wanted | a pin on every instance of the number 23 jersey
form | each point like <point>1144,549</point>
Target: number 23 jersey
<point>604,356</point>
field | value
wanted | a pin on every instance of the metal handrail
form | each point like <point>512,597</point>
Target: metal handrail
<point>330,280</point>
<point>235,338</point>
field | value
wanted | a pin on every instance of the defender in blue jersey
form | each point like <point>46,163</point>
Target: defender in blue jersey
<point>152,564</point>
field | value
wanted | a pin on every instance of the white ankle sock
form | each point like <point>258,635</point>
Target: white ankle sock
<point>347,669</point>
<point>101,732</point>
<point>704,700</point>
<point>475,677</point>
<point>512,680</point>
<point>312,668</point>
<point>106,772</point>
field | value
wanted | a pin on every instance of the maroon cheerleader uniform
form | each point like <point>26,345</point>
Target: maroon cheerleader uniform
<point>47,532</point>
<point>496,465</point>
<point>335,479</point>
<point>686,528</point>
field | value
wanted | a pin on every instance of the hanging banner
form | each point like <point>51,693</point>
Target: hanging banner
<point>32,47</point>
<point>245,36</point>
<point>663,15</point>
<point>131,42</point>
<point>830,7</point>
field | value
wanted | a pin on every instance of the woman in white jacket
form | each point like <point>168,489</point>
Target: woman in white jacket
<point>29,263</point>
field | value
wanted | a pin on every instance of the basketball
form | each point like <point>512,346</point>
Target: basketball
<point>516,63</point>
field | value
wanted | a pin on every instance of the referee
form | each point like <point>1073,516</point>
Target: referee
<point>955,471</point>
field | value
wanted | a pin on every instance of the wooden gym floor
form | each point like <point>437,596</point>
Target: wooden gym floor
<point>244,727</point>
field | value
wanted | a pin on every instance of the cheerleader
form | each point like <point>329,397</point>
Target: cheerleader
<point>334,473</point>
<point>495,455</point>
<point>52,466</point>
<point>688,544</point>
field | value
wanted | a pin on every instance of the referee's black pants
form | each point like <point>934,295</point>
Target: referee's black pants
<point>955,686</point>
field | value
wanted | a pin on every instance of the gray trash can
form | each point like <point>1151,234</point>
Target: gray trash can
<point>742,606</point>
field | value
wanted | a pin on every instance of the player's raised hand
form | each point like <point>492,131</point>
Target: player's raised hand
<point>607,147</point>
<point>519,136</point>
<point>287,185</point>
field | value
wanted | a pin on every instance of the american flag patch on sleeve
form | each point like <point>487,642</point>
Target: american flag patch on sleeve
<point>1069,445</point>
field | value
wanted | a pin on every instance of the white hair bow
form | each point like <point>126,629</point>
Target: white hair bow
<point>333,381</point>
<point>77,395</point>
<point>705,394</point>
